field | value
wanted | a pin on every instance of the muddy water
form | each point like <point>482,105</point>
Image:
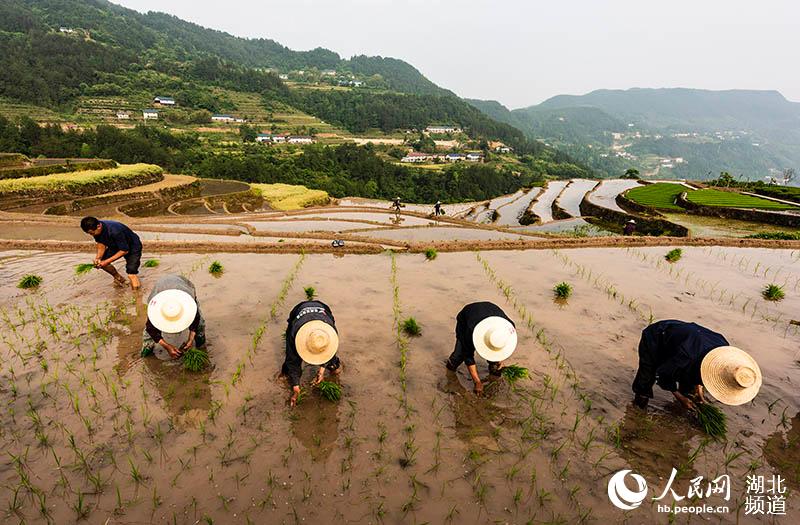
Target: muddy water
<point>566,226</point>
<point>451,209</point>
<point>605,195</point>
<point>19,230</point>
<point>442,233</point>
<point>228,439</point>
<point>570,199</point>
<point>543,206</point>
<point>388,218</point>
<point>511,212</point>
<point>308,226</point>
<point>700,226</point>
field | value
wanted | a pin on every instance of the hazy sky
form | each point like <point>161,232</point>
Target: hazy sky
<point>521,52</point>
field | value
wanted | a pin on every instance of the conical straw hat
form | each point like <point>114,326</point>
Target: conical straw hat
<point>495,338</point>
<point>730,375</point>
<point>316,342</point>
<point>171,311</point>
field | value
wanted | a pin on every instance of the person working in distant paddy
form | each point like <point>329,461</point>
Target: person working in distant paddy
<point>311,337</point>
<point>683,358</point>
<point>174,320</point>
<point>484,328</point>
<point>397,204</point>
<point>114,241</point>
<point>437,208</point>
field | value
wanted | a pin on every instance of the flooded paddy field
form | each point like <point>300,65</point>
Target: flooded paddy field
<point>542,208</point>
<point>571,197</point>
<point>93,431</point>
<point>605,194</point>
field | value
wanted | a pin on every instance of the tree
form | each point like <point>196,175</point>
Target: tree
<point>631,173</point>
<point>248,133</point>
<point>788,176</point>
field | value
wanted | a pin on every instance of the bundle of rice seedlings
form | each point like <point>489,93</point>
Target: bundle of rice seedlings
<point>430,254</point>
<point>195,359</point>
<point>562,290</point>
<point>411,327</point>
<point>216,269</point>
<point>711,419</point>
<point>83,268</point>
<point>310,292</point>
<point>330,390</point>
<point>773,292</point>
<point>673,255</point>
<point>514,373</point>
<point>151,263</point>
<point>29,281</point>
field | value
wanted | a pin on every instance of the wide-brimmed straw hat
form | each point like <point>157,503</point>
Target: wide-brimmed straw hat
<point>730,375</point>
<point>632,221</point>
<point>316,342</point>
<point>495,338</point>
<point>171,311</point>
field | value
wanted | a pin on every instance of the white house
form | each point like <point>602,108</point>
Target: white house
<point>164,101</point>
<point>454,157</point>
<point>279,139</point>
<point>329,73</point>
<point>474,156</point>
<point>443,129</point>
<point>123,115</point>
<point>150,114</point>
<point>263,137</point>
<point>222,118</point>
<point>415,157</point>
<point>283,76</point>
<point>300,139</point>
<point>67,30</point>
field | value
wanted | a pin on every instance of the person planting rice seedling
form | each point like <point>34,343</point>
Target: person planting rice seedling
<point>311,337</point>
<point>684,358</point>
<point>484,328</point>
<point>174,321</point>
<point>115,241</point>
<point>630,227</point>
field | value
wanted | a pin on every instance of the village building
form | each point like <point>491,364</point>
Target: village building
<point>222,118</point>
<point>443,129</point>
<point>283,76</point>
<point>474,156</point>
<point>329,73</point>
<point>454,157</point>
<point>67,30</point>
<point>164,101</point>
<point>263,137</point>
<point>300,139</point>
<point>150,114</point>
<point>123,115</point>
<point>416,157</point>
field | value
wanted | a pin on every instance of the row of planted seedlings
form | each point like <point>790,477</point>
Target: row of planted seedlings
<point>739,260</point>
<point>69,445</point>
<point>720,454</point>
<point>721,295</point>
<point>559,422</point>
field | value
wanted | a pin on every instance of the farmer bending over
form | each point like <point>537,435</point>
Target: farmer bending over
<point>485,328</point>
<point>684,357</point>
<point>174,320</point>
<point>311,337</point>
<point>115,240</point>
<point>437,208</point>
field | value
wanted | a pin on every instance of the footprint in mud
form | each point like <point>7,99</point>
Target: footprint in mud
<point>782,451</point>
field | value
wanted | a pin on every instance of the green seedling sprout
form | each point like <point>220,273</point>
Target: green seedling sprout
<point>29,281</point>
<point>311,293</point>
<point>216,269</point>
<point>430,254</point>
<point>562,290</point>
<point>330,390</point>
<point>773,292</point>
<point>195,360</point>
<point>151,263</point>
<point>712,420</point>
<point>411,327</point>
<point>83,268</point>
<point>673,255</point>
<point>513,373</point>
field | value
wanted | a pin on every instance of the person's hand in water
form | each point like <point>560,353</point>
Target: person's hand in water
<point>295,395</point>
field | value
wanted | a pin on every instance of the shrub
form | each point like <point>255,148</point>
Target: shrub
<point>513,373</point>
<point>411,327</point>
<point>430,254</point>
<point>83,268</point>
<point>195,360</point>
<point>773,292</point>
<point>216,269</point>
<point>562,290</point>
<point>29,281</point>
<point>310,292</point>
<point>674,255</point>
<point>712,420</point>
<point>151,263</point>
<point>777,236</point>
<point>330,390</point>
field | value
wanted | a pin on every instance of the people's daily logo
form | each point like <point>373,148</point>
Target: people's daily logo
<point>621,496</point>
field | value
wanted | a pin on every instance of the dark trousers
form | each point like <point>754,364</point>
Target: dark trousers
<point>460,356</point>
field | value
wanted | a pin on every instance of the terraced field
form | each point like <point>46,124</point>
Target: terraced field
<point>661,195</point>
<point>727,199</point>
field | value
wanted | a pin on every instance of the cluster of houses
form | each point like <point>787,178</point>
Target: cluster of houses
<point>416,157</point>
<point>267,138</point>
<point>227,118</point>
<point>443,129</point>
<point>152,114</point>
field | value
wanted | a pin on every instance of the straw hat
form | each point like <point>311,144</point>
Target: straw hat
<point>495,338</point>
<point>730,375</point>
<point>632,221</point>
<point>171,311</point>
<point>316,342</point>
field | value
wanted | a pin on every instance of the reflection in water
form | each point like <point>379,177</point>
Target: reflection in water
<point>396,219</point>
<point>783,452</point>
<point>187,395</point>
<point>315,423</point>
<point>653,443</point>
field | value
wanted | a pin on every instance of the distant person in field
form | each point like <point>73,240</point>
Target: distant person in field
<point>630,227</point>
<point>115,241</point>
<point>683,358</point>
<point>311,337</point>
<point>174,321</point>
<point>483,328</point>
<point>397,204</point>
<point>437,208</point>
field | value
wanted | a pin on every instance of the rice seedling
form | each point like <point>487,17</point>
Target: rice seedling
<point>411,327</point>
<point>195,360</point>
<point>562,290</point>
<point>430,254</point>
<point>29,281</point>
<point>773,292</point>
<point>513,373</point>
<point>330,390</point>
<point>151,263</point>
<point>83,268</point>
<point>712,420</point>
<point>310,292</point>
<point>673,255</point>
<point>216,269</point>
